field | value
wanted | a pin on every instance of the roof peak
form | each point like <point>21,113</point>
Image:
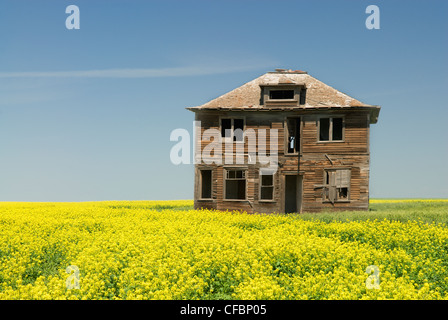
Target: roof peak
<point>280,70</point>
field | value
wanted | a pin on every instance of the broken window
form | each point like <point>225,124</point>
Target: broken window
<point>232,128</point>
<point>331,129</point>
<point>206,184</point>
<point>235,184</point>
<point>281,94</point>
<point>267,187</point>
<point>293,141</point>
<point>336,185</point>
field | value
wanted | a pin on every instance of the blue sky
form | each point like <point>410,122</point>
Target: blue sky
<point>86,114</point>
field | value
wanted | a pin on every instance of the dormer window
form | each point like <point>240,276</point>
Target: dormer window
<point>281,94</point>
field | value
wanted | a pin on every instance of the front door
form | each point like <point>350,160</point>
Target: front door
<point>293,193</point>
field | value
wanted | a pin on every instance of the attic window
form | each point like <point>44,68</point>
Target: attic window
<point>281,94</point>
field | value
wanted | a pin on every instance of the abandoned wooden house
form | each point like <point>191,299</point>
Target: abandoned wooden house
<point>321,147</point>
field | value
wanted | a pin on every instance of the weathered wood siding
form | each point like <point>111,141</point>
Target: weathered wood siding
<point>352,153</point>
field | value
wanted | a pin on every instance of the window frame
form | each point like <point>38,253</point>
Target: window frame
<point>260,185</point>
<point>200,184</point>
<point>286,135</point>
<point>225,170</point>
<point>326,186</point>
<point>267,88</point>
<point>232,122</point>
<point>330,129</point>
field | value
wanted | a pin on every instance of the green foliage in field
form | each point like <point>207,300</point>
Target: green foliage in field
<point>430,211</point>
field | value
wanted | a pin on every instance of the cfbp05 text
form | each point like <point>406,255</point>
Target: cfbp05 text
<point>245,309</point>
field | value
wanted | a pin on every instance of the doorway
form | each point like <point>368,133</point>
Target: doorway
<point>293,193</point>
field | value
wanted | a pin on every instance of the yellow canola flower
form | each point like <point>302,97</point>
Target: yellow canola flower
<point>166,250</point>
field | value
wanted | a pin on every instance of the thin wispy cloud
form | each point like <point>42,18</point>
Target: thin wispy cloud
<point>136,73</point>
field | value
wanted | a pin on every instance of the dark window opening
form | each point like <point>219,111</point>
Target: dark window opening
<point>267,187</point>
<point>232,128</point>
<point>324,129</point>
<point>238,127</point>
<point>236,189</point>
<point>331,129</point>
<point>293,125</point>
<point>337,128</point>
<point>342,193</point>
<point>226,128</point>
<point>281,94</point>
<point>206,184</point>
<point>235,184</point>
<point>302,96</point>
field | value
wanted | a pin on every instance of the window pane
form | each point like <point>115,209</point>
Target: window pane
<point>231,174</point>
<point>239,174</point>
<point>266,180</point>
<point>324,125</point>
<point>267,193</point>
<point>241,189</point>
<point>337,128</point>
<point>235,189</point>
<point>342,193</point>
<point>302,96</point>
<point>206,184</point>
<point>238,127</point>
<point>292,135</point>
<point>281,94</point>
<point>226,125</point>
<point>231,189</point>
<point>297,136</point>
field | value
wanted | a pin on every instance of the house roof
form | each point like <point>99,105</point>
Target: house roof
<point>318,95</point>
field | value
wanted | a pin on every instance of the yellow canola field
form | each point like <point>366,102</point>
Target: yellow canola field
<point>163,250</point>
